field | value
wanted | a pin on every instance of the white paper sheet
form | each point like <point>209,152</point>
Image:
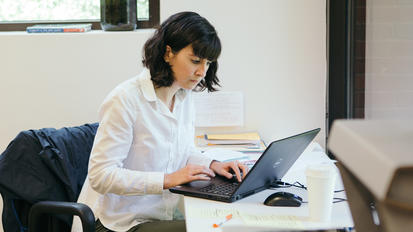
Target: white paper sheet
<point>219,109</point>
<point>225,155</point>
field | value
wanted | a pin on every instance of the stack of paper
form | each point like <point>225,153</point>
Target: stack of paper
<point>237,142</point>
<point>233,139</point>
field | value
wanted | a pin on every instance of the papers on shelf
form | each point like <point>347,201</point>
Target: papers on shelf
<point>243,142</point>
<point>251,136</point>
<point>239,147</point>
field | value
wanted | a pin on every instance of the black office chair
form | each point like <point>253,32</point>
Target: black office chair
<point>41,176</point>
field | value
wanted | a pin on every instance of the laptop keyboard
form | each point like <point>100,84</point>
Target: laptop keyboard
<point>222,189</point>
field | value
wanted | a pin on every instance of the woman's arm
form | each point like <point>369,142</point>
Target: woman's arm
<point>113,141</point>
<point>187,174</point>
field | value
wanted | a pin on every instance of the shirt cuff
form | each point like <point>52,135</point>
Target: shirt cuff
<point>154,182</point>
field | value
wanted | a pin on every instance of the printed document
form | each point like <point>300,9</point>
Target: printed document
<point>219,109</point>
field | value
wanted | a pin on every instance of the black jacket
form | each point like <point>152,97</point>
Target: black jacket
<point>45,164</point>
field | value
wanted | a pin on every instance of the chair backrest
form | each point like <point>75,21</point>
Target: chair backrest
<point>44,165</point>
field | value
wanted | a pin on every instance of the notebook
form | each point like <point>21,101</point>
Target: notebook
<point>272,165</point>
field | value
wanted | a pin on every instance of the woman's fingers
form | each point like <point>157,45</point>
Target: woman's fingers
<point>225,170</point>
<point>200,177</point>
<point>235,168</point>
<point>198,170</point>
<point>228,169</point>
<point>244,169</point>
<point>239,168</point>
<point>207,171</point>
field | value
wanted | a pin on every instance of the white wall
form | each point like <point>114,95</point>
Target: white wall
<point>273,50</point>
<point>60,80</point>
<point>275,53</point>
<point>55,80</point>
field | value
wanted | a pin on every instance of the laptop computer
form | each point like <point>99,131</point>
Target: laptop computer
<point>272,165</point>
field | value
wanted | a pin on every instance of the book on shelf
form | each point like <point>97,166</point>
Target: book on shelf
<point>59,28</point>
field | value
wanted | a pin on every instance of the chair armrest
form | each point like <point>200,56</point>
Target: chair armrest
<point>59,207</point>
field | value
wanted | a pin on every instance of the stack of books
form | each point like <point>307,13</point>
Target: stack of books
<point>243,142</point>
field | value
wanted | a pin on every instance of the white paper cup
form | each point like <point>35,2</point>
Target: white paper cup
<point>320,185</point>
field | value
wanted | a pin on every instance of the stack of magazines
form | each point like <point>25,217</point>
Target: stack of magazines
<point>244,142</point>
<point>56,28</point>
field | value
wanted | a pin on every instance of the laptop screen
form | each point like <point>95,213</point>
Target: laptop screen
<point>274,163</point>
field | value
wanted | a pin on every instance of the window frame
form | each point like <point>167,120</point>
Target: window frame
<point>154,15</point>
<point>346,60</point>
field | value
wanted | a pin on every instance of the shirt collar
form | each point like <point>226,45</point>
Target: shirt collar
<point>146,85</point>
<point>148,88</point>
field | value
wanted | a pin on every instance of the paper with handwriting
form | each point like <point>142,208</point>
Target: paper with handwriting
<point>249,218</point>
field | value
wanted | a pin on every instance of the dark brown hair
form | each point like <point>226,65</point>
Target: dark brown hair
<point>178,31</point>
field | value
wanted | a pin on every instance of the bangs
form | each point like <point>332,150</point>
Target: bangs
<point>208,48</point>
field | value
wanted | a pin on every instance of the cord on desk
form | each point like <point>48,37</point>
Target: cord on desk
<point>338,199</point>
<point>337,191</point>
<point>346,229</point>
<point>281,184</point>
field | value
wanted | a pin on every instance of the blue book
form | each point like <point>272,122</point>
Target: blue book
<point>59,28</point>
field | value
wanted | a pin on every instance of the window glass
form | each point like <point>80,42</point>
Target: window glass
<point>56,10</point>
<point>143,10</point>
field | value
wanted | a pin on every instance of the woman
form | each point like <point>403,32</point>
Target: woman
<point>144,143</point>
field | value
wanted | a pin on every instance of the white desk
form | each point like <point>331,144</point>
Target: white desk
<point>201,214</point>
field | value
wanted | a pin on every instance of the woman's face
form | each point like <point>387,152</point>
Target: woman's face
<point>188,69</point>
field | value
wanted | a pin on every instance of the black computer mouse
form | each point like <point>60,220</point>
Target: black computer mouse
<point>283,199</point>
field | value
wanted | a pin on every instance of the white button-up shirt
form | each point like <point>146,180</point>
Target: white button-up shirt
<point>138,140</point>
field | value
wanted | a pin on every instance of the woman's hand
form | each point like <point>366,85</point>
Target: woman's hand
<point>224,168</point>
<point>187,174</point>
